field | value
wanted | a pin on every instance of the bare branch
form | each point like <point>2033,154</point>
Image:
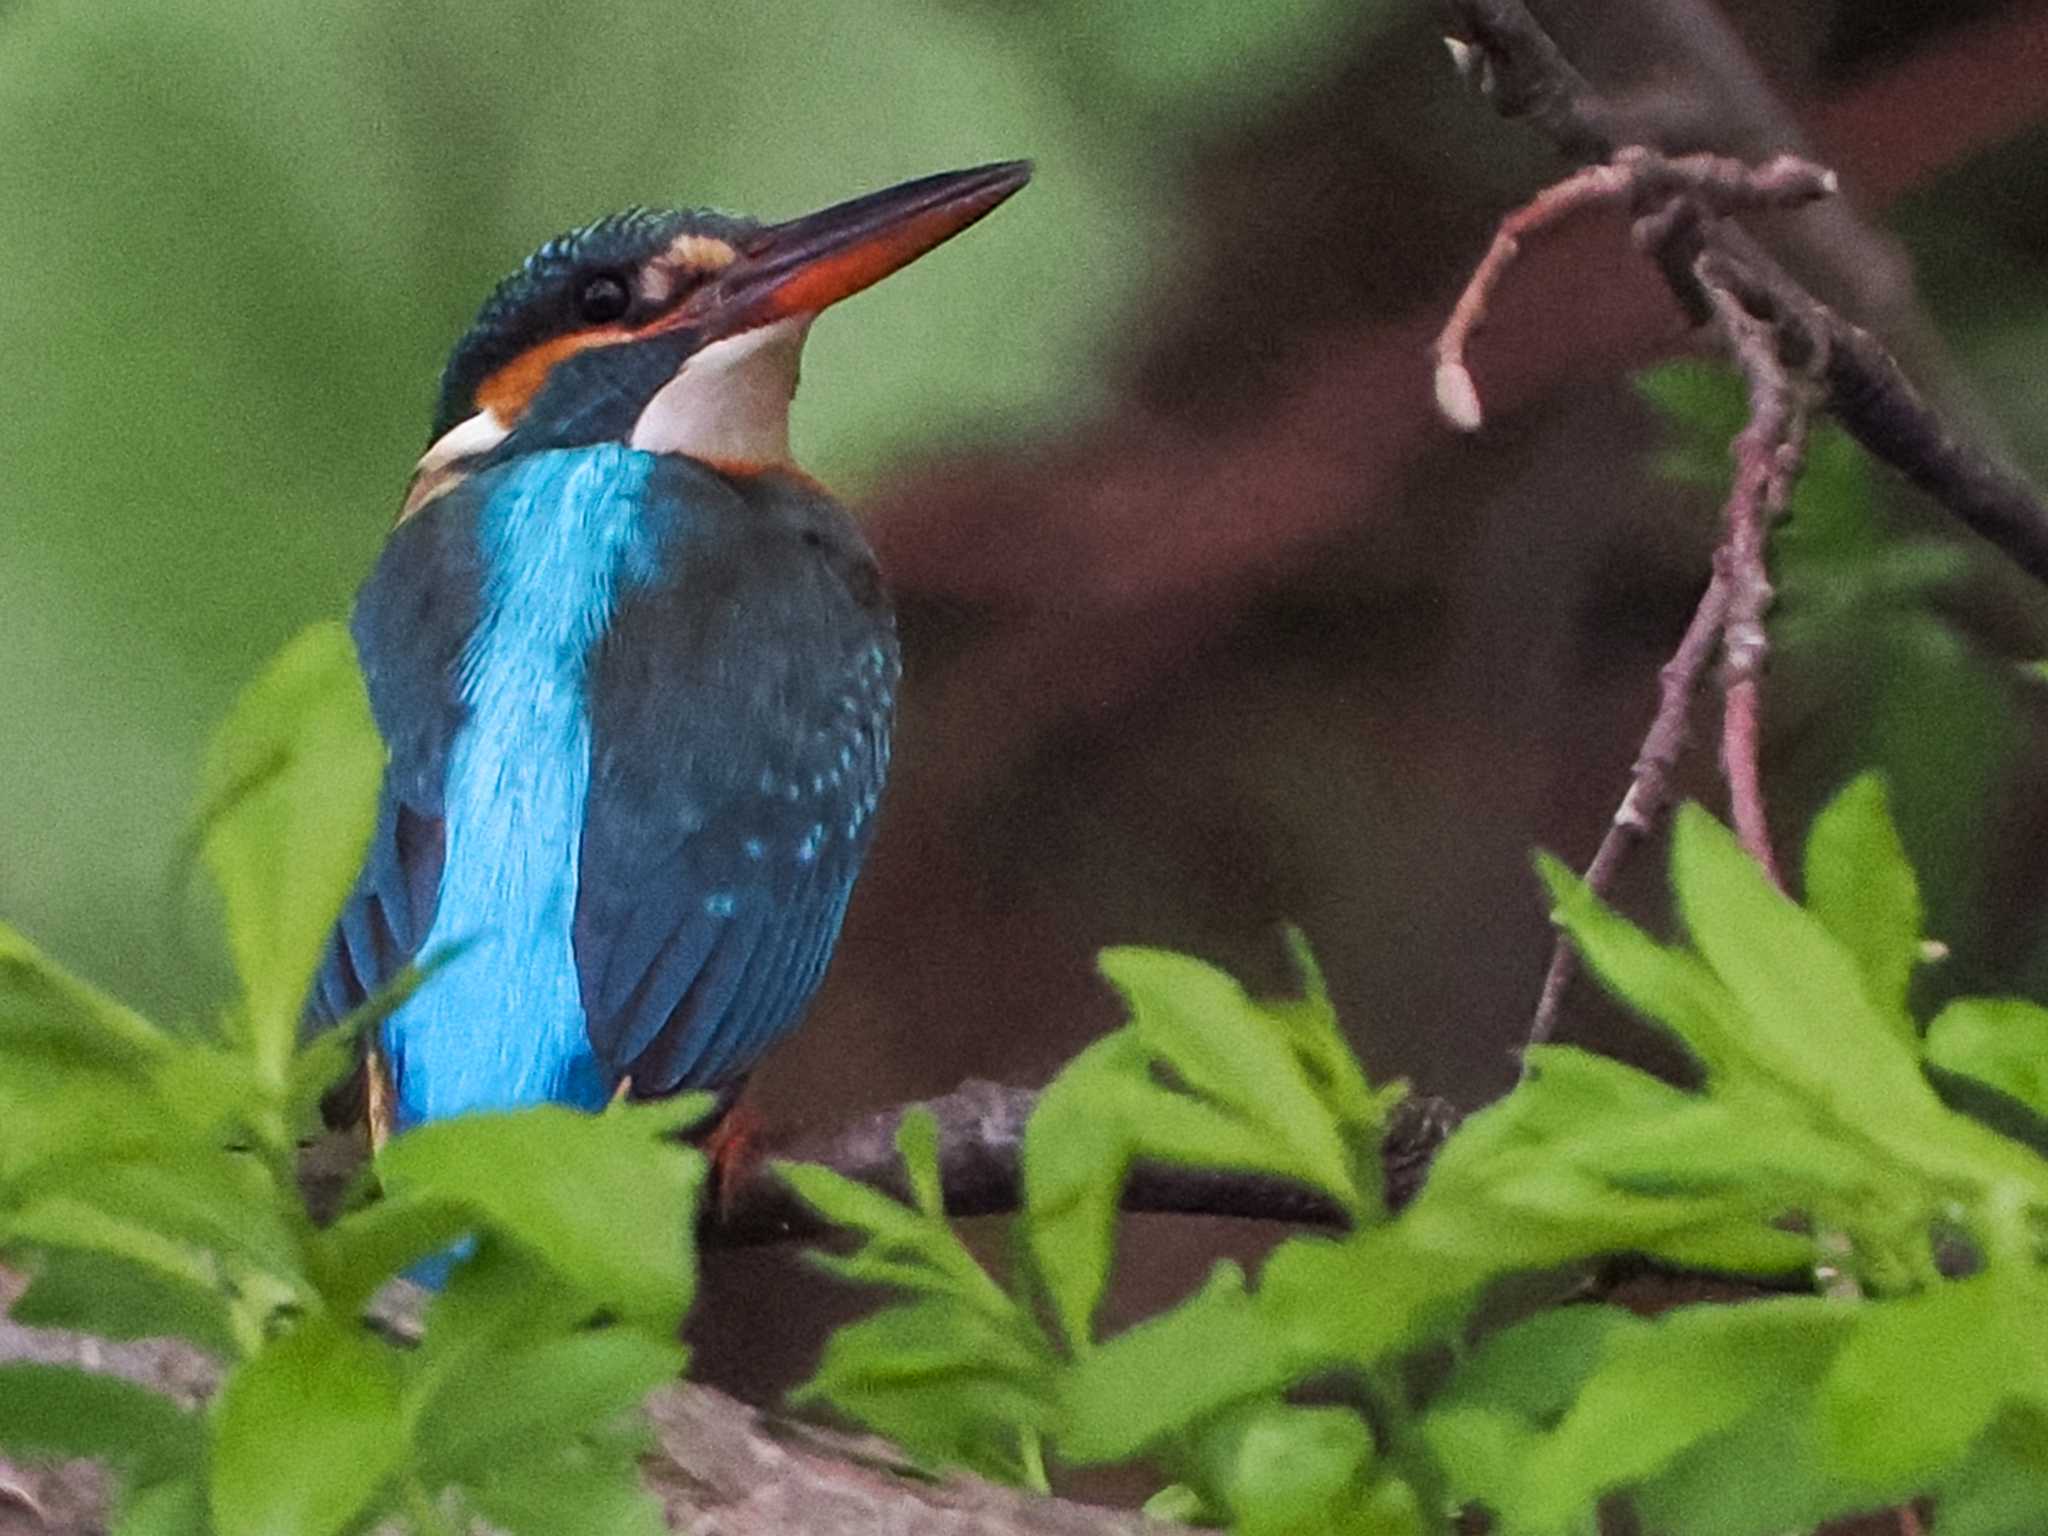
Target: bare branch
<point>1863,385</point>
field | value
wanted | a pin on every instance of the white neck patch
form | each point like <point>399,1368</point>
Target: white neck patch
<point>442,465</point>
<point>729,403</point>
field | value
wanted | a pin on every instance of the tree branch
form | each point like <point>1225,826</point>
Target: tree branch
<point>981,1139</point>
<point>1516,62</point>
<point>1649,790</point>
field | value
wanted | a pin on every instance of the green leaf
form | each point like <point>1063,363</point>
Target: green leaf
<point>1923,1375</point>
<point>2001,1486</point>
<point>1162,1376</point>
<point>64,1223</point>
<point>1665,985</point>
<point>581,1491</point>
<point>307,1434</point>
<point>1535,1368</point>
<point>2001,1042</point>
<point>532,1401</point>
<point>1076,1154</point>
<point>917,1143</point>
<point>1262,1087</point>
<point>118,1298</point>
<point>959,1373</point>
<point>1863,890</point>
<point>904,1246</point>
<point>1567,1094</point>
<point>44,1005</point>
<point>609,1201</point>
<point>1180,1503</point>
<point>498,1301</point>
<point>60,1411</point>
<point>290,794</point>
<point>1288,1471</point>
<point>223,1203</point>
<point>99,1116</point>
<point>1762,1476</point>
<point>1811,1022</point>
<point>1201,1024</point>
<point>955,1384</point>
<point>1694,1373</point>
<point>173,1508</point>
<point>366,1247</point>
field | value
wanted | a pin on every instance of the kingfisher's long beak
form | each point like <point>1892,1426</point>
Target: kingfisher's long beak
<point>806,264</point>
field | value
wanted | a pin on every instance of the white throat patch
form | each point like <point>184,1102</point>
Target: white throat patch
<point>729,403</point>
<point>442,466</point>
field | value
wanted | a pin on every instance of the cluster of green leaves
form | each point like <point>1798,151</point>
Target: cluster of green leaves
<point>1364,1384</point>
<point>148,1186</point>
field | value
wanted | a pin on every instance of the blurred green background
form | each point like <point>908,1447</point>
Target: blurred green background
<point>240,235</point>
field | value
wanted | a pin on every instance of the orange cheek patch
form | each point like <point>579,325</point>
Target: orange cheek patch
<point>507,393</point>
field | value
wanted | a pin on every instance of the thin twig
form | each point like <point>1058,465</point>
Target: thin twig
<point>1638,178</point>
<point>1768,453</point>
<point>1597,186</point>
<point>1649,790</point>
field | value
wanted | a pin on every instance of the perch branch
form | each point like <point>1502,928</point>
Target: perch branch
<point>981,1139</point>
<point>981,1142</point>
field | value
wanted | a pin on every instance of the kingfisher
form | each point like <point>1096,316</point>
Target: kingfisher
<point>635,673</point>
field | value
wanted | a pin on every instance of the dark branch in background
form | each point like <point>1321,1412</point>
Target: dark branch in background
<point>1516,62</point>
<point>981,1139</point>
<point>1788,345</point>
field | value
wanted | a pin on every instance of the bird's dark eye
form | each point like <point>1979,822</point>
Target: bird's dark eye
<point>604,297</point>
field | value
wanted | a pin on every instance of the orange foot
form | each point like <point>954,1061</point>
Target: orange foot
<point>733,1145</point>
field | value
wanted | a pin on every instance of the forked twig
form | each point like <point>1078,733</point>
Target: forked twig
<point>1675,199</point>
<point>1793,352</point>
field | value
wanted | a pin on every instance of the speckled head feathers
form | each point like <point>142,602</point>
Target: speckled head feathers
<point>539,302</point>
